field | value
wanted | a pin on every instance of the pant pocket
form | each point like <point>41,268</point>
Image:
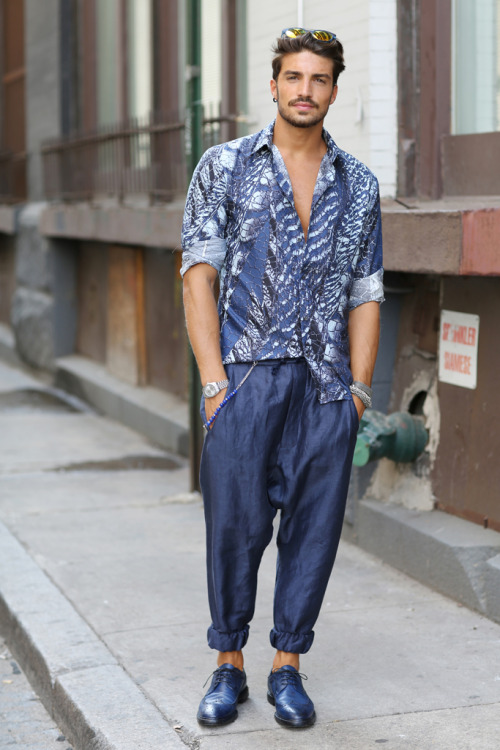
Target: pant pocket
<point>355,413</point>
<point>230,377</point>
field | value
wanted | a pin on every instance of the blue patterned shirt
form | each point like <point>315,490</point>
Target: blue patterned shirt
<point>280,295</point>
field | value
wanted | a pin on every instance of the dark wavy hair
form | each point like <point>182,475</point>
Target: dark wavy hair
<point>332,50</point>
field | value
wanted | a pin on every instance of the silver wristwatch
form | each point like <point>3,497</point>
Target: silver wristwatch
<point>212,389</point>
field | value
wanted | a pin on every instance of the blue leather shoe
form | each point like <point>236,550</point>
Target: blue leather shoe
<point>294,708</point>
<point>228,688</point>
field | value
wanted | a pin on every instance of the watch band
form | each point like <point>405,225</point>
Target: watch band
<point>212,389</point>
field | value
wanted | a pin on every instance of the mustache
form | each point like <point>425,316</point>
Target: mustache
<point>304,99</point>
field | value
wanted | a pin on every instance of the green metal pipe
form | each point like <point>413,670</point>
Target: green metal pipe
<point>400,437</point>
<point>194,149</point>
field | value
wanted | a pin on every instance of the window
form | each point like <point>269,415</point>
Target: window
<point>124,60</point>
<point>140,63</point>
<point>109,106</point>
<point>124,82</point>
<point>476,66</point>
<point>121,127</point>
<point>139,74</point>
<point>12,102</point>
<point>224,71</point>
<point>211,54</point>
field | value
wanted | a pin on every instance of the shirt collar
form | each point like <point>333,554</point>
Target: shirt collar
<point>265,139</point>
<point>332,148</point>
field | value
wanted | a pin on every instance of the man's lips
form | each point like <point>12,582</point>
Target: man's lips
<point>303,105</point>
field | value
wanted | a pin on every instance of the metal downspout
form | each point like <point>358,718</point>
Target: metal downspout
<point>194,149</point>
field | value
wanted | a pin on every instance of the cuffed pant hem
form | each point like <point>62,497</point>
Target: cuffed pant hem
<point>293,643</point>
<point>227,641</point>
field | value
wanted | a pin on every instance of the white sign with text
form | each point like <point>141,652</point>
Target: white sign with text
<point>458,342</point>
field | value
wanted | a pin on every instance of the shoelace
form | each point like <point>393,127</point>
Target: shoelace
<point>221,675</point>
<point>290,678</point>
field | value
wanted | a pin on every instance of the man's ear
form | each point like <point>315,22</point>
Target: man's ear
<point>274,88</point>
<point>334,94</point>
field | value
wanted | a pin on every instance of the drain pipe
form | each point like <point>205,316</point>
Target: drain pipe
<point>195,150</point>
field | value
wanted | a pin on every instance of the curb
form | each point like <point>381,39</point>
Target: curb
<point>455,557</point>
<point>160,416</point>
<point>90,696</point>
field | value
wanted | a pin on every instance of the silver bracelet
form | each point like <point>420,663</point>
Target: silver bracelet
<point>364,387</point>
<point>363,396</point>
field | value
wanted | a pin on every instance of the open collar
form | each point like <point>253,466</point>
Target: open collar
<point>265,140</point>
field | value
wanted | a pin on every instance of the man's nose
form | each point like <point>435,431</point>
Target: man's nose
<point>305,88</point>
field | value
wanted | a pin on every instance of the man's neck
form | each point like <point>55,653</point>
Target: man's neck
<point>299,141</point>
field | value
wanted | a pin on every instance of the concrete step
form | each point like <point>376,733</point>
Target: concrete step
<point>458,558</point>
<point>162,417</point>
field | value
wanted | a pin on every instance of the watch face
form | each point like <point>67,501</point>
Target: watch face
<point>210,390</point>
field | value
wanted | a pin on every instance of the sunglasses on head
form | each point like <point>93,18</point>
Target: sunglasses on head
<point>319,34</point>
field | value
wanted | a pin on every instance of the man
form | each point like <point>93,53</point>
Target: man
<point>292,225</point>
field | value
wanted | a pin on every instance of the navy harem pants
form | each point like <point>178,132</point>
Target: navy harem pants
<point>274,447</point>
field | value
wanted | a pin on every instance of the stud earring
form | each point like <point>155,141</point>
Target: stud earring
<point>275,100</point>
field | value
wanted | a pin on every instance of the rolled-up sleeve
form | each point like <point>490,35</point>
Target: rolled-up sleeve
<point>205,218</point>
<point>367,284</point>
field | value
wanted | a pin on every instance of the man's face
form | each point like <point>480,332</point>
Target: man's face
<point>304,88</point>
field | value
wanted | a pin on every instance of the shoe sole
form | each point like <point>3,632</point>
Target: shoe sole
<point>292,723</point>
<point>229,719</point>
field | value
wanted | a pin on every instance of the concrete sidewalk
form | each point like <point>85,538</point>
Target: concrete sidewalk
<point>102,601</point>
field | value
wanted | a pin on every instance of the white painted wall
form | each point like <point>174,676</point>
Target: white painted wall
<point>350,21</point>
<point>383,120</point>
<point>265,21</point>
<point>363,120</point>
<point>211,52</point>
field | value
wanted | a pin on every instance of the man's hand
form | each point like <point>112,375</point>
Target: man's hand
<point>360,407</point>
<point>211,404</point>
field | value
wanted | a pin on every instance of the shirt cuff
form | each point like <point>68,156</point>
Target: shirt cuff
<point>211,251</point>
<point>369,289</point>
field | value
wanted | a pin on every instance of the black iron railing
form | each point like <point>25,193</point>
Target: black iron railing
<point>136,158</point>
